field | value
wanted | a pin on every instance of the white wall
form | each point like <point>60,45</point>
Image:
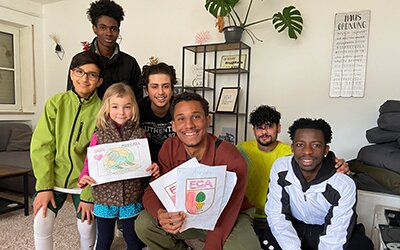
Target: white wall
<point>291,75</point>
<point>25,14</point>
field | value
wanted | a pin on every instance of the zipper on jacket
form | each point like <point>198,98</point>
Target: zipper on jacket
<point>79,132</point>
<point>70,142</point>
<point>305,197</point>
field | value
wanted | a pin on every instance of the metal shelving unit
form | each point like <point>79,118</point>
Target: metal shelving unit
<point>208,55</point>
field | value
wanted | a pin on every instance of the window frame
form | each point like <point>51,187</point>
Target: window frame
<point>15,32</point>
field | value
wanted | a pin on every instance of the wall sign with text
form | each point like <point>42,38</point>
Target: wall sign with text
<point>232,62</point>
<point>349,54</point>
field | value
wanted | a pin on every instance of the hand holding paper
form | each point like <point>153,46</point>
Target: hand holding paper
<point>171,222</point>
<point>200,191</point>
<point>154,169</point>
<point>86,180</point>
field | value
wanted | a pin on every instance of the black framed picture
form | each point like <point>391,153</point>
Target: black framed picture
<point>227,99</point>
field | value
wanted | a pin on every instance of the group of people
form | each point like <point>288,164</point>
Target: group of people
<point>300,201</point>
<point>303,196</point>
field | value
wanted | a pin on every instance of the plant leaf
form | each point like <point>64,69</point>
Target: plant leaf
<point>220,7</point>
<point>290,19</point>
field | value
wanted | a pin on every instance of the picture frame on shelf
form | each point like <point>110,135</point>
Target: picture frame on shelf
<point>227,99</point>
<point>228,134</point>
<point>197,76</point>
<point>232,61</point>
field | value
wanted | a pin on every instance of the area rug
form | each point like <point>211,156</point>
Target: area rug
<point>16,230</point>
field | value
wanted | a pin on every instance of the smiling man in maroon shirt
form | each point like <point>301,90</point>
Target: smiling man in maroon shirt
<point>158,228</point>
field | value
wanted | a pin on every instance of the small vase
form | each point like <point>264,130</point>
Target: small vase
<point>233,34</point>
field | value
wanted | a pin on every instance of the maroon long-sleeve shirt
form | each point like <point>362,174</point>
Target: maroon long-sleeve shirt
<point>173,153</point>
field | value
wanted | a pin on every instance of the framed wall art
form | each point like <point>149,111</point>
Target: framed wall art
<point>227,99</point>
<point>232,62</point>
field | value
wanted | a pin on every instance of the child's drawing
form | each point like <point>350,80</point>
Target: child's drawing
<point>171,192</point>
<point>199,190</point>
<point>165,185</point>
<point>119,161</point>
<point>200,193</point>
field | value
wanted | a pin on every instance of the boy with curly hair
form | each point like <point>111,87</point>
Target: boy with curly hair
<point>310,205</point>
<point>155,118</point>
<point>260,155</point>
<point>106,17</point>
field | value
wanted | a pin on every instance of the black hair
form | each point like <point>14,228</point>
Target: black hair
<point>105,8</point>
<point>264,114</point>
<point>159,68</point>
<point>318,124</point>
<point>87,57</point>
<point>189,96</point>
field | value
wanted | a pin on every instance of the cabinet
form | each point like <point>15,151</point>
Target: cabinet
<point>208,68</point>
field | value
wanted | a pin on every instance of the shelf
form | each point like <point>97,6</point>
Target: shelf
<point>216,47</point>
<point>227,71</point>
<point>226,113</point>
<point>209,56</point>
<point>197,88</point>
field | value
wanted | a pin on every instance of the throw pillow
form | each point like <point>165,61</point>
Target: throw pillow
<point>20,140</point>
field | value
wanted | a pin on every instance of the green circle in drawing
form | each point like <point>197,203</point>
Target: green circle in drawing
<point>200,197</point>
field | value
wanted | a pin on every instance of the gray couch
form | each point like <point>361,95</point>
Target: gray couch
<point>15,140</point>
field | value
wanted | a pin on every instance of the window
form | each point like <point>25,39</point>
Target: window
<point>9,68</point>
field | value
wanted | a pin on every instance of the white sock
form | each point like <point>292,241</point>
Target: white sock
<point>87,234</point>
<point>43,230</point>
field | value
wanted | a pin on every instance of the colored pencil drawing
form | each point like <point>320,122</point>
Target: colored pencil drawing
<point>119,161</point>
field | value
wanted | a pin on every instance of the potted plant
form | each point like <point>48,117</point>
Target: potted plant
<point>289,19</point>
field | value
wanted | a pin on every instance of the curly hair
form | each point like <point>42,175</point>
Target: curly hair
<point>159,68</point>
<point>189,96</point>
<point>264,114</point>
<point>105,8</point>
<point>318,124</point>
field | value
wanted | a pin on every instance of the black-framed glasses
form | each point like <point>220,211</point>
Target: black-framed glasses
<point>92,76</point>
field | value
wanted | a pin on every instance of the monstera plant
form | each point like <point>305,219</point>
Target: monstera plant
<point>289,19</point>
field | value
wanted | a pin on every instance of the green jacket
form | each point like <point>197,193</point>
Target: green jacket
<point>60,140</point>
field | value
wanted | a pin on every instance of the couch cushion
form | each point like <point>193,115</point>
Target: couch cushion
<point>389,121</point>
<point>385,155</point>
<point>5,132</point>
<point>387,178</point>
<point>378,135</point>
<point>390,106</point>
<point>20,140</point>
<point>19,159</point>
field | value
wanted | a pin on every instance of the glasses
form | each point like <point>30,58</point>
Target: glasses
<point>92,76</point>
<point>113,29</point>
